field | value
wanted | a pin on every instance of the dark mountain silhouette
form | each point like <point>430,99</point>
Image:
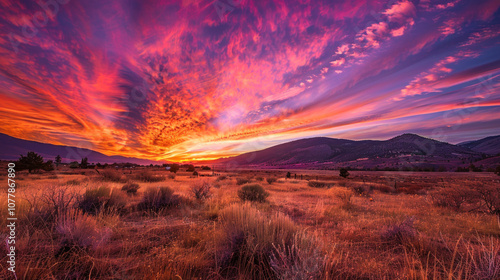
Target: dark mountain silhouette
<point>404,151</point>
<point>489,145</point>
<point>11,148</point>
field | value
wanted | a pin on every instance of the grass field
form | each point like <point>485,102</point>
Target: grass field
<point>78,224</point>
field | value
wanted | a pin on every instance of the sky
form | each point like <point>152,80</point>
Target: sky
<point>199,80</point>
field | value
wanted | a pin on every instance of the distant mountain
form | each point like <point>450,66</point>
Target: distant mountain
<point>404,151</point>
<point>11,148</point>
<point>489,145</point>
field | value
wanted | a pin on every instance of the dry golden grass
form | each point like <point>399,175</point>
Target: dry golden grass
<point>357,228</point>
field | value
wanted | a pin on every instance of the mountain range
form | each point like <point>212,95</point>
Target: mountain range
<point>11,148</point>
<point>404,152</point>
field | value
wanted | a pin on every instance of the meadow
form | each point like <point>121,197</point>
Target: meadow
<point>148,223</point>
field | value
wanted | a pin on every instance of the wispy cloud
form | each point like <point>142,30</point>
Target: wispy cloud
<point>172,80</point>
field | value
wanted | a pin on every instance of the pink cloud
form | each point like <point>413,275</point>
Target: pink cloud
<point>400,12</point>
<point>338,62</point>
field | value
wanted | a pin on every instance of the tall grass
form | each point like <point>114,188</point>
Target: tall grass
<point>262,247</point>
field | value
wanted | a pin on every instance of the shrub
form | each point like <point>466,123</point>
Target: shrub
<point>93,200</point>
<point>343,173</point>
<point>171,176</point>
<point>158,198</point>
<point>260,179</point>
<point>384,188</point>
<point>131,188</point>
<point>261,247</point>
<point>454,197</point>
<point>201,190</point>
<point>362,189</point>
<point>148,176</point>
<point>195,173</point>
<point>490,196</point>
<point>303,259</point>
<point>318,184</point>
<point>116,202</point>
<point>221,178</point>
<point>80,232</point>
<point>74,182</point>
<point>401,233</point>
<point>53,203</point>
<point>253,192</point>
<point>271,180</point>
<point>111,175</point>
<point>344,195</point>
<point>242,181</point>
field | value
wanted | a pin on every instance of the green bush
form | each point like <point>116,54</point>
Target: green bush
<point>253,192</point>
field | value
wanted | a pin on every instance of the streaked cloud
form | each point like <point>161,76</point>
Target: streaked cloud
<point>172,80</point>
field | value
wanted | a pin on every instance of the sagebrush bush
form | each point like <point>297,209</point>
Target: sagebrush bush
<point>111,175</point>
<point>201,189</point>
<point>93,200</point>
<point>242,181</point>
<point>253,192</point>
<point>384,188</point>
<point>302,259</point>
<point>149,177</point>
<point>155,199</point>
<point>319,184</point>
<point>261,247</point>
<point>80,232</point>
<point>401,233</point>
<point>221,178</point>
<point>171,176</point>
<point>361,189</point>
<point>343,194</point>
<point>454,197</point>
<point>271,180</point>
<point>54,202</point>
<point>73,182</point>
<point>131,188</point>
<point>116,202</point>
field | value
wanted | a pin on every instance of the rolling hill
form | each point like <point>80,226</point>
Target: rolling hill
<point>11,148</point>
<point>489,145</point>
<point>404,151</point>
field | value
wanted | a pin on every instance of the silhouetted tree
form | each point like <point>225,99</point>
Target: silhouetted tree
<point>343,173</point>
<point>58,160</point>
<point>32,161</point>
<point>174,168</point>
<point>288,175</point>
<point>190,168</point>
<point>497,171</point>
<point>48,166</point>
<point>84,163</point>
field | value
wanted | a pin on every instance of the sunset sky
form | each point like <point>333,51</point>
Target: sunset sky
<point>196,79</point>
